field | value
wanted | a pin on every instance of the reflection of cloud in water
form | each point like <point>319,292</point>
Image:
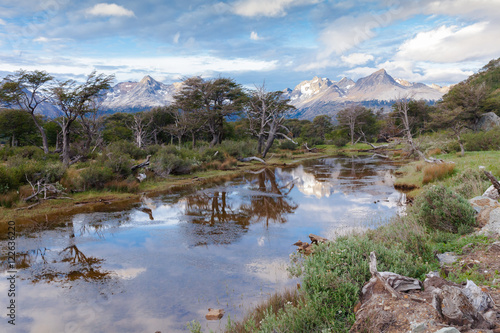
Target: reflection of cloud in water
<point>270,270</point>
<point>307,183</point>
<point>128,273</point>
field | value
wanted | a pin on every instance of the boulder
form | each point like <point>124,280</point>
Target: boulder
<point>492,193</point>
<point>488,215</point>
<point>488,121</point>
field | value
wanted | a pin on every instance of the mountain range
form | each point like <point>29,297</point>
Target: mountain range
<point>378,90</point>
<point>311,98</point>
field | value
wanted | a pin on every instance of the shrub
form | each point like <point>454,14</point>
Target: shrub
<point>165,163</point>
<point>53,171</point>
<point>289,145</point>
<point>481,141</point>
<point>437,171</point>
<point>125,147</point>
<point>440,208</point>
<point>120,163</point>
<point>96,176</point>
<point>126,186</point>
<point>470,183</point>
<point>340,141</point>
<point>8,199</point>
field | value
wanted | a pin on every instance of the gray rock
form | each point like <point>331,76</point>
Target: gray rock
<point>488,121</point>
<point>492,193</point>
<point>418,327</point>
<point>447,258</point>
<point>480,300</point>
<point>448,330</point>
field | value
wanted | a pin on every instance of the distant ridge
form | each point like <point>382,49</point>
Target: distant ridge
<point>323,96</point>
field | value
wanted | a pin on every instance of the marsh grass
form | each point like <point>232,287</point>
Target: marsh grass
<point>440,171</point>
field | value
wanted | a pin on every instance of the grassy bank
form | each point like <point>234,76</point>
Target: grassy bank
<point>332,278</point>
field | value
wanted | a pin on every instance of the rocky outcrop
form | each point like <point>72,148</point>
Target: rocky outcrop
<point>488,215</point>
<point>488,121</point>
<point>442,306</point>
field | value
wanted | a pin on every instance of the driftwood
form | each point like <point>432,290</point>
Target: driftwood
<point>30,206</point>
<point>317,239</point>
<point>252,158</point>
<point>311,150</point>
<point>493,180</point>
<point>382,156</point>
<point>376,274</point>
<point>75,159</point>
<point>141,165</point>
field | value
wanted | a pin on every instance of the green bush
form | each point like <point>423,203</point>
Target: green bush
<point>96,176</point>
<point>482,141</point>
<point>119,163</point>
<point>165,163</point>
<point>340,141</point>
<point>288,145</point>
<point>440,208</point>
<point>125,147</point>
<point>53,171</point>
<point>6,180</point>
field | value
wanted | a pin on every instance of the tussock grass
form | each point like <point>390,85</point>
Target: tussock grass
<point>433,172</point>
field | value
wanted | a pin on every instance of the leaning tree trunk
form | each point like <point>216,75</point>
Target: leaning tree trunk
<point>269,142</point>
<point>45,142</point>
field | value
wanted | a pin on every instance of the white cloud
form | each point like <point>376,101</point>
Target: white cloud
<point>176,38</point>
<point>270,8</point>
<point>356,59</point>
<point>109,9</point>
<point>254,36</point>
<point>2,22</point>
<point>46,40</point>
<point>453,44</point>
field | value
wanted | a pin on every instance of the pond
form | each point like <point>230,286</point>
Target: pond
<point>164,261</point>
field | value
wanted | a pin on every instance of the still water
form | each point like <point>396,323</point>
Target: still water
<point>166,260</point>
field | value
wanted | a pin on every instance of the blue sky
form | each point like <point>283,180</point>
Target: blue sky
<point>281,42</point>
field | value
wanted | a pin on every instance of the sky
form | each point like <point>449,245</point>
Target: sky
<point>276,42</point>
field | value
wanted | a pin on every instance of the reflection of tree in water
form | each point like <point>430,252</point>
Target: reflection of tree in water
<point>218,218</point>
<point>270,207</point>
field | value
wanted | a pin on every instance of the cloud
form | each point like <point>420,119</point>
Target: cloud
<point>2,22</point>
<point>109,9</point>
<point>270,8</point>
<point>447,44</point>
<point>254,36</point>
<point>356,59</point>
<point>176,38</point>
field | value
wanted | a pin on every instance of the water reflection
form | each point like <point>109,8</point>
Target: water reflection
<point>166,260</point>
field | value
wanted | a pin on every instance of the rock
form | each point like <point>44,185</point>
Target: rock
<point>214,314</point>
<point>446,258</point>
<point>433,282</point>
<point>480,300</point>
<point>448,330</point>
<point>401,283</point>
<point>488,121</point>
<point>492,193</point>
<point>488,215</point>
<point>141,177</point>
<point>456,308</point>
<point>418,327</point>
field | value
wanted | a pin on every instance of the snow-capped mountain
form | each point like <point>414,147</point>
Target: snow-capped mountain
<point>323,96</point>
<point>144,94</point>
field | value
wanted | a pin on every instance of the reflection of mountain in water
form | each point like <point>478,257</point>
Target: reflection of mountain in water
<point>345,175</point>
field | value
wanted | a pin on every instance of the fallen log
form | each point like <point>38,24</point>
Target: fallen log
<point>252,158</point>
<point>141,165</point>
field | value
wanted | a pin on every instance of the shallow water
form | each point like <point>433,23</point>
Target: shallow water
<point>166,260</point>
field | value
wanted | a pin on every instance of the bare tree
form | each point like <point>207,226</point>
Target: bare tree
<point>266,112</point>
<point>75,100</point>
<point>140,126</point>
<point>27,91</point>
<point>351,118</point>
<point>91,125</point>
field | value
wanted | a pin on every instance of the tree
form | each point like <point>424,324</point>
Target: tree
<point>214,99</point>
<point>468,98</point>
<point>27,91</point>
<point>322,126</point>
<point>140,127</point>
<point>266,112</point>
<point>351,117</point>
<point>76,100</point>
<point>450,119</point>
<point>17,127</point>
